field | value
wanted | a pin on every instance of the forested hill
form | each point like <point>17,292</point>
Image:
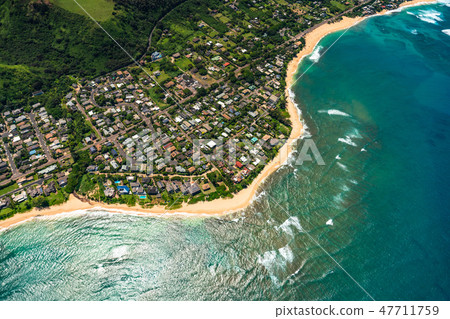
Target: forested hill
<point>42,40</point>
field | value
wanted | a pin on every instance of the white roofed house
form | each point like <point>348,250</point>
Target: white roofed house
<point>20,197</point>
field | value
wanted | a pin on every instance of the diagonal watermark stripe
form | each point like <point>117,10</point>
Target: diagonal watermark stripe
<point>315,62</point>
<point>324,250</point>
<point>271,197</point>
<point>145,71</point>
<point>126,52</point>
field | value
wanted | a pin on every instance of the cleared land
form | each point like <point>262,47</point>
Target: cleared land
<point>100,10</point>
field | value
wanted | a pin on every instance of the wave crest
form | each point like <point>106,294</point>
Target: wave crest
<point>430,16</point>
<point>315,56</point>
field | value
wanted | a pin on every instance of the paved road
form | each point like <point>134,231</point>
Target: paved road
<point>38,181</point>
<point>81,109</point>
<point>41,138</point>
<point>10,158</point>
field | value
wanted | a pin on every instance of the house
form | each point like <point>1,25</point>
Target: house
<point>184,189</point>
<point>19,197</point>
<point>123,189</point>
<point>137,189</point>
<point>169,84</point>
<point>32,192</point>
<point>51,188</point>
<point>194,189</point>
<point>191,169</point>
<point>273,142</point>
<point>3,166</point>
<point>109,191</point>
<point>92,168</point>
<point>152,191</point>
<point>62,181</point>
<point>273,99</point>
<point>3,203</point>
<point>156,56</point>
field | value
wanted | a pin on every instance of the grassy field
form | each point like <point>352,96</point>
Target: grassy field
<point>184,63</point>
<point>8,189</point>
<point>338,5</point>
<point>100,10</point>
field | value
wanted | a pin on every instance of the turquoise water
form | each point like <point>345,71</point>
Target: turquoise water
<point>377,105</point>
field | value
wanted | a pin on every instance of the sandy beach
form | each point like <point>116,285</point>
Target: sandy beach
<point>244,197</point>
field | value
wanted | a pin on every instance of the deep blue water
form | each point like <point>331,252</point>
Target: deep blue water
<point>377,105</point>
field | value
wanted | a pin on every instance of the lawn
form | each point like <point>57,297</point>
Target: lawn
<point>184,31</point>
<point>100,10</point>
<point>87,184</point>
<point>184,63</point>
<point>338,5</point>
<point>9,188</point>
<point>6,212</point>
<point>56,198</point>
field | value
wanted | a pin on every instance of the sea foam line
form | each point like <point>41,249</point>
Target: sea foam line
<point>334,112</point>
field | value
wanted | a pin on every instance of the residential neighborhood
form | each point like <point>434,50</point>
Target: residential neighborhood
<point>197,119</point>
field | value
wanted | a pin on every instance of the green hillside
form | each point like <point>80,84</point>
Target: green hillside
<point>50,41</point>
<point>100,10</point>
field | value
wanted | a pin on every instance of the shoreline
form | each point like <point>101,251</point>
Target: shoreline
<point>245,197</point>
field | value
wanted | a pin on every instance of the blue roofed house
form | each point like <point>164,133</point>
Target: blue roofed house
<point>156,56</point>
<point>123,189</point>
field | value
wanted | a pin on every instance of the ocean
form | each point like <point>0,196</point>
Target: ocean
<point>373,222</point>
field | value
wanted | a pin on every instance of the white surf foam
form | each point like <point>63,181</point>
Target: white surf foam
<point>347,140</point>
<point>343,166</point>
<point>315,56</point>
<point>446,31</point>
<point>334,112</point>
<point>119,252</point>
<point>267,259</point>
<point>306,133</point>
<point>287,254</point>
<point>338,198</point>
<point>414,31</point>
<point>275,261</point>
<point>429,15</point>
<point>291,222</point>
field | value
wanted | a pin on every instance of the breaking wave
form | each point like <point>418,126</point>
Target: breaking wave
<point>275,261</point>
<point>347,140</point>
<point>291,222</point>
<point>334,112</point>
<point>430,16</point>
<point>315,56</point>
